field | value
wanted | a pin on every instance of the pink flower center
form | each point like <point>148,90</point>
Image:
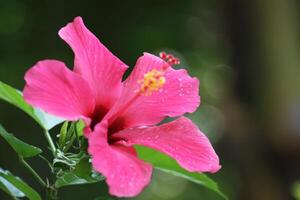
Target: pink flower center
<point>98,114</point>
<point>151,82</point>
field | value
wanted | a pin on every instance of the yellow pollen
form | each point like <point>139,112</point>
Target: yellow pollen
<point>152,81</point>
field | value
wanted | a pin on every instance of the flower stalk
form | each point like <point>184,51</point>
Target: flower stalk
<point>51,193</point>
<point>50,142</point>
<point>32,171</point>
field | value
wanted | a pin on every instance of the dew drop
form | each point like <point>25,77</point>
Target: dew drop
<point>148,138</point>
<point>156,137</point>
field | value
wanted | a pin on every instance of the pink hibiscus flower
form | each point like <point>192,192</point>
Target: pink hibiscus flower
<point>120,114</point>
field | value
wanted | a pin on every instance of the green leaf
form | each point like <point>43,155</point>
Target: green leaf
<point>20,185</point>
<point>14,97</point>
<point>79,127</point>
<point>70,178</point>
<point>63,134</point>
<point>70,137</point>
<point>84,168</point>
<point>165,163</point>
<point>21,148</point>
<point>8,188</point>
<point>46,120</point>
<point>71,133</point>
<point>296,190</point>
<point>82,174</point>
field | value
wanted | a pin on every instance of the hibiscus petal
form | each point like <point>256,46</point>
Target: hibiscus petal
<point>94,62</point>
<point>180,139</point>
<point>51,86</point>
<point>177,96</point>
<point>125,174</point>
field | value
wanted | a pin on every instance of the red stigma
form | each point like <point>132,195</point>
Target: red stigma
<point>169,58</point>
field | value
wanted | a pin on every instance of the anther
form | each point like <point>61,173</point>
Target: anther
<point>169,58</point>
<point>152,81</point>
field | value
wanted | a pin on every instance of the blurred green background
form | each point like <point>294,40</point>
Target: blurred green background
<point>245,53</point>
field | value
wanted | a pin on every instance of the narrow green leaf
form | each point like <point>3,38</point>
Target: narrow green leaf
<point>21,148</point>
<point>165,163</point>
<point>63,134</point>
<point>79,127</point>
<point>70,137</point>
<point>29,192</point>
<point>14,97</point>
<point>9,189</point>
<point>69,133</point>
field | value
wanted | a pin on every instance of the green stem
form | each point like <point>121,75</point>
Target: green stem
<point>51,193</point>
<point>33,172</point>
<point>50,141</point>
<point>47,161</point>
